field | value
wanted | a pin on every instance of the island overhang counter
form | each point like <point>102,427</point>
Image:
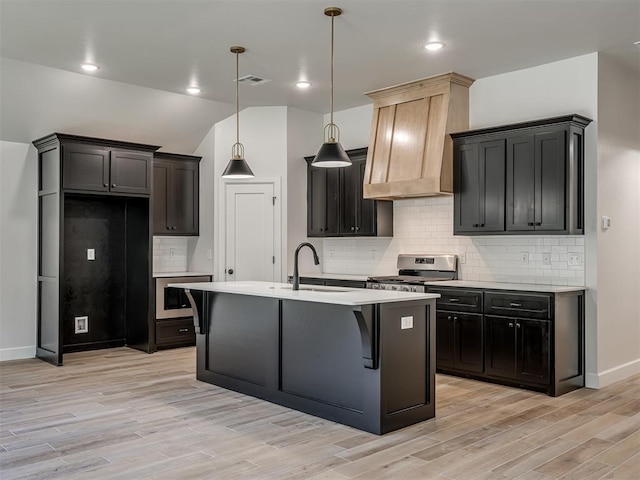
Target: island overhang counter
<point>364,358</point>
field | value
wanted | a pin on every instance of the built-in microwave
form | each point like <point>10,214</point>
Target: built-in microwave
<point>173,302</point>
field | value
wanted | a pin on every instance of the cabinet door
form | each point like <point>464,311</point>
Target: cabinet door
<point>322,201</point>
<point>468,342</point>
<point>183,209</point>
<point>480,187</point>
<point>500,346</point>
<point>161,189</point>
<point>466,188</point>
<point>445,340</point>
<point>521,191</point>
<point>366,208</point>
<point>550,179</point>
<point>85,168</point>
<point>349,199</point>
<point>131,172</point>
<point>533,350</point>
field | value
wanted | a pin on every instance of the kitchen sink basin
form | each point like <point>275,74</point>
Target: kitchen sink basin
<point>313,289</point>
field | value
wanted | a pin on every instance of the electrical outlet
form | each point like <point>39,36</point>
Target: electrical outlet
<point>524,258</point>
<point>546,258</point>
<point>81,324</point>
<point>91,254</point>
<point>462,258</point>
<point>172,252</point>
<point>575,259</point>
<point>406,322</point>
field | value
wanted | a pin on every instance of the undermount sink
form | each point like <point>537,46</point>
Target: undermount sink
<point>313,289</point>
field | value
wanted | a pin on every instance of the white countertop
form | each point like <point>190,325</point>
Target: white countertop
<point>334,276</point>
<point>180,274</point>
<point>309,293</point>
<point>528,287</point>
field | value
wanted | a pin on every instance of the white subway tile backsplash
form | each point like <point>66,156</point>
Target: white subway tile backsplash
<point>169,254</point>
<point>426,226</point>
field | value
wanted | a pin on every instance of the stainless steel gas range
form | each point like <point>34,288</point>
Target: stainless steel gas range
<point>415,270</point>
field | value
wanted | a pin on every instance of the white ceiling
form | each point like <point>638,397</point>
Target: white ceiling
<point>168,44</point>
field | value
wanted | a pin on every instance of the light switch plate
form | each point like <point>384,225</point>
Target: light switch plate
<point>546,258</point>
<point>91,253</point>
<point>575,259</point>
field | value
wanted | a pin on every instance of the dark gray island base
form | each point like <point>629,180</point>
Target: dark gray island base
<point>370,366</point>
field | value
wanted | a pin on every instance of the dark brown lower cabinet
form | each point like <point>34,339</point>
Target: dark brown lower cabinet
<point>178,332</point>
<point>531,340</point>
<point>459,341</point>
<point>517,349</point>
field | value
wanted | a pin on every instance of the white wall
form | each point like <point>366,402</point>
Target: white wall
<point>304,137</point>
<point>618,198</point>
<point>18,250</point>
<point>200,251</point>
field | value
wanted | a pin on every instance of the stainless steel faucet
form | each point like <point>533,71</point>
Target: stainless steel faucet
<point>296,275</point>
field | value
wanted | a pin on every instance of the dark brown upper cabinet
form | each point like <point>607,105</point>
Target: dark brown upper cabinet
<point>176,194</point>
<point>99,168</point>
<point>335,203</point>
<point>526,178</point>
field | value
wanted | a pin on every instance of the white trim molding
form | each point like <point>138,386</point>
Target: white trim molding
<point>602,379</point>
<point>17,353</point>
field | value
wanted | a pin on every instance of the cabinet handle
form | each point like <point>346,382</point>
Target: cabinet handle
<point>531,224</point>
<point>105,184</point>
<point>230,271</point>
<point>449,317</point>
<point>454,300</point>
<point>168,227</point>
<point>113,185</point>
<point>538,224</point>
<point>183,330</point>
<point>353,228</point>
<point>518,325</point>
<point>516,305</point>
<point>510,324</point>
<point>357,229</point>
<point>455,319</point>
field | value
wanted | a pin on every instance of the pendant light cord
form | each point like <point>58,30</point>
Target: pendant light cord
<point>237,101</point>
<point>331,121</point>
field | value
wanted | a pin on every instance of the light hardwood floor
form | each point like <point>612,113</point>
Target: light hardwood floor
<point>122,414</point>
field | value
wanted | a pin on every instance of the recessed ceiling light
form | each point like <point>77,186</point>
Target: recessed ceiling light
<point>89,67</point>
<point>193,90</point>
<point>434,46</point>
<point>303,84</point>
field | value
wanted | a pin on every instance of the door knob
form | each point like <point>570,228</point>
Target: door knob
<point>230,271</point>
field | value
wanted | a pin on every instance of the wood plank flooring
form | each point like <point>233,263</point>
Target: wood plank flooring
<point>122,414</point>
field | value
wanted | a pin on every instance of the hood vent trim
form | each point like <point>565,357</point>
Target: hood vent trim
<point>411,152</point>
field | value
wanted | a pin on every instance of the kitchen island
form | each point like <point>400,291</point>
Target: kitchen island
<point>364,358</point>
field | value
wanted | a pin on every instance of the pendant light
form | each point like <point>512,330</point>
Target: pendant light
<point>237,166</point>
<point>331,153</point>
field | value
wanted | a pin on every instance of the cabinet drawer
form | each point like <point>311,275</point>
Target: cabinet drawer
<point>458,300</point>
<point>175,332</point>
<point>514,304</point>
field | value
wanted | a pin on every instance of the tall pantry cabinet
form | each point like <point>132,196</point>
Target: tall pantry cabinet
<point>94,245</point>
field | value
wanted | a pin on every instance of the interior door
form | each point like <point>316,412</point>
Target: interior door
<point>249,225</point>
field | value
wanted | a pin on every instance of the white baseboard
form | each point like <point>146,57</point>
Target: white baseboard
<point>613,375</point>
<point>17,353</point>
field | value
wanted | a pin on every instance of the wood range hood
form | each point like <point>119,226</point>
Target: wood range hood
<point>410,151</point>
